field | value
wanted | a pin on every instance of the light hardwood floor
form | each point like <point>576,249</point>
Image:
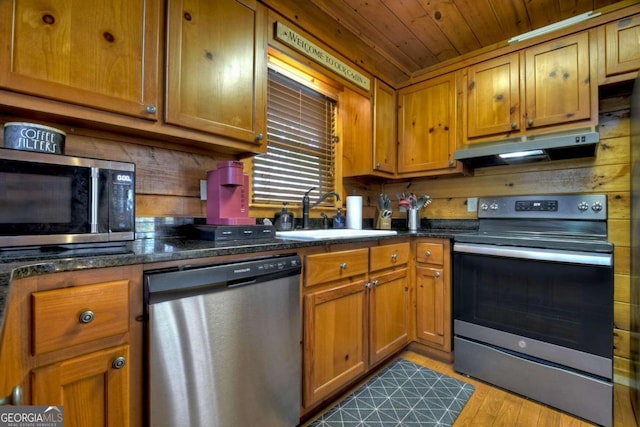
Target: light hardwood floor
<point>492,406</point>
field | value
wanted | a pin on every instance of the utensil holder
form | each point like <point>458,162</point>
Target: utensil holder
<point>384,221</point>
<point>413,219</point>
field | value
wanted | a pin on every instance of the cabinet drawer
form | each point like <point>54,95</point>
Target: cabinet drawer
<point>430,253</point>
<point>66,317</point>
<point>389,256</point>
<point>321,268</point>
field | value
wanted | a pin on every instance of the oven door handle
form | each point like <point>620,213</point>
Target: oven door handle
<point>552,255</point>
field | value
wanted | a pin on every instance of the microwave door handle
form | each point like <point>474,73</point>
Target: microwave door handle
<point>573,257</point>
<point>95,181</point>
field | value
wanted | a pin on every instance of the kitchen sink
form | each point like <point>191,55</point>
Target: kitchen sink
<point>331,234</point>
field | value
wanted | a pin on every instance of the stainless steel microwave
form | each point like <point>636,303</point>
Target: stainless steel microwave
<point>48,199</point>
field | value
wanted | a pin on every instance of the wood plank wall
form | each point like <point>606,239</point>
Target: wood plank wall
<point>608,173</point>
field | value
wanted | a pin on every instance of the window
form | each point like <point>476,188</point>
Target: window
<point>301,129</point>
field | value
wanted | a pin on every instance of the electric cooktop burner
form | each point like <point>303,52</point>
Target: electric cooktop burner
<point>573,222</point>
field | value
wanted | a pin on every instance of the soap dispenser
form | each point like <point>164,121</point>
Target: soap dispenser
<point>339,219</point>
<point>284,219</point>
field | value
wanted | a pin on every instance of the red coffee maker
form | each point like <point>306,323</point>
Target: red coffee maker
<point>228,195</point>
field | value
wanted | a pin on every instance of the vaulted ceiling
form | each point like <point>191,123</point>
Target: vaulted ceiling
<point>399,38</point>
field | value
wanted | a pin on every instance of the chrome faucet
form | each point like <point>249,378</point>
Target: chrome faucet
<point>306,207</point>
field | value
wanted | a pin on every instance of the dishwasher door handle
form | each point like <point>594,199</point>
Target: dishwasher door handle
<point>252,281</point>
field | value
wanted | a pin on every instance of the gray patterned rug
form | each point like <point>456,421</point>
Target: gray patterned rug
<point>403,394</point>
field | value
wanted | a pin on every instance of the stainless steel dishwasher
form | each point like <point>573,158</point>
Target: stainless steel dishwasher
<point>224,344</point>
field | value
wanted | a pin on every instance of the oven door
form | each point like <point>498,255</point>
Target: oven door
<point>563,298</point>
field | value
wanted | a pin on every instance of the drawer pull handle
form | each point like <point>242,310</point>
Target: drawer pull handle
<point>15,398</point>
<point>437,274</point>
<point>428,253</point>
<point>87,316</point>
<point>343,266</point>
<point>119,362</point>
<point>394,257</point>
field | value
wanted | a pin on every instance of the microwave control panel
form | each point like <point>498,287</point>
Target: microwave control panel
<point>121,201</point>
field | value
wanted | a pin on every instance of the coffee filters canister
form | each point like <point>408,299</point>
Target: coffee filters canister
<point>354,212</point>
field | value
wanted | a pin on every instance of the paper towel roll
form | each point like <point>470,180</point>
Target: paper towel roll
<point>354,212</point>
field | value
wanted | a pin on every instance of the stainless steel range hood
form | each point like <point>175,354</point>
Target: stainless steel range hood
<point>558,146</point>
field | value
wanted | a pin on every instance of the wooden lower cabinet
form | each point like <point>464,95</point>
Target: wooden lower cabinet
<point>93,388</point>
<point>356,314</point>
<point>433,294</point>
<point>74,339</point>
<point>334,336</point>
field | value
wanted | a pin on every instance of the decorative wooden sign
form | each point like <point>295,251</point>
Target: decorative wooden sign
<point>324,58</point>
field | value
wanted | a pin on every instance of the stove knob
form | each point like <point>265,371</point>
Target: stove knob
<point>494,206</point>
<point>583,206</point>
<point>484,206</point>
<point>597,206</point>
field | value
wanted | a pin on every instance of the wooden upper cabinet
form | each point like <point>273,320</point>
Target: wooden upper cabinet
<point>102,53</point>
<point>217,69</point>
<point>355,115</point>
<point>622,46</point>
<point>558,82</point>
<point>427,126</point>
<point>384,128</point>
<point>493,96</point>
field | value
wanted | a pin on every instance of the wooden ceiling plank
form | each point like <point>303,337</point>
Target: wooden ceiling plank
<point>318,24</point>
<point>569,8</point>
<point>382,21</point>
<point>420,24</point>
<point>349,19</point>
<point>448,18</point>
<point>512,16</point>
<point>482,20</point>
<point>542,12</point>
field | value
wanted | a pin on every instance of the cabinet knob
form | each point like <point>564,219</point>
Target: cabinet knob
<point>87,316</point>
<point>259,137</point>
<point>394,257</point>
<point>376,282</point>
<point>437,274</point>
<point>367,285</point>
<point>118,362</point>
<point>514,125</point>
<point>151,109</point>
<point>343,266</point>
<point>378,165</point>
<point>428,253</point>
<point>14,398</point>
<point>530,122</point>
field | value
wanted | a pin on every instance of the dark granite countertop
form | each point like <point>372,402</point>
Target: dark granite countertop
<point>151,249</point>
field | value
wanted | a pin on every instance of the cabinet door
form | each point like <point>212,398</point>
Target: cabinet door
<point>334,339</point>
<point>558,86</point>
<point>388,314</point>
<point>217,70</point>
<point>622,44</point>
<point>426,125</point>
<point>355,114</point>
<point>384,129</point>
<point>101,53</point>
<point>94,388</point>
<point>433,307</point>
<point>493,97</point>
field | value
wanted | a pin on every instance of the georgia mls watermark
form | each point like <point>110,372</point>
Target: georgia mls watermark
<point>31,416</point>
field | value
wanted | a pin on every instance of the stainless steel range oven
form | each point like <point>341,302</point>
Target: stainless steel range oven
<point>533,301</point>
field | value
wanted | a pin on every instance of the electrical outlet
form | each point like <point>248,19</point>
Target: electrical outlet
<point>203,189</point>
<point>472,204</point>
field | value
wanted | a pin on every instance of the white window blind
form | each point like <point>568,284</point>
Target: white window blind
<point>300,144</point>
